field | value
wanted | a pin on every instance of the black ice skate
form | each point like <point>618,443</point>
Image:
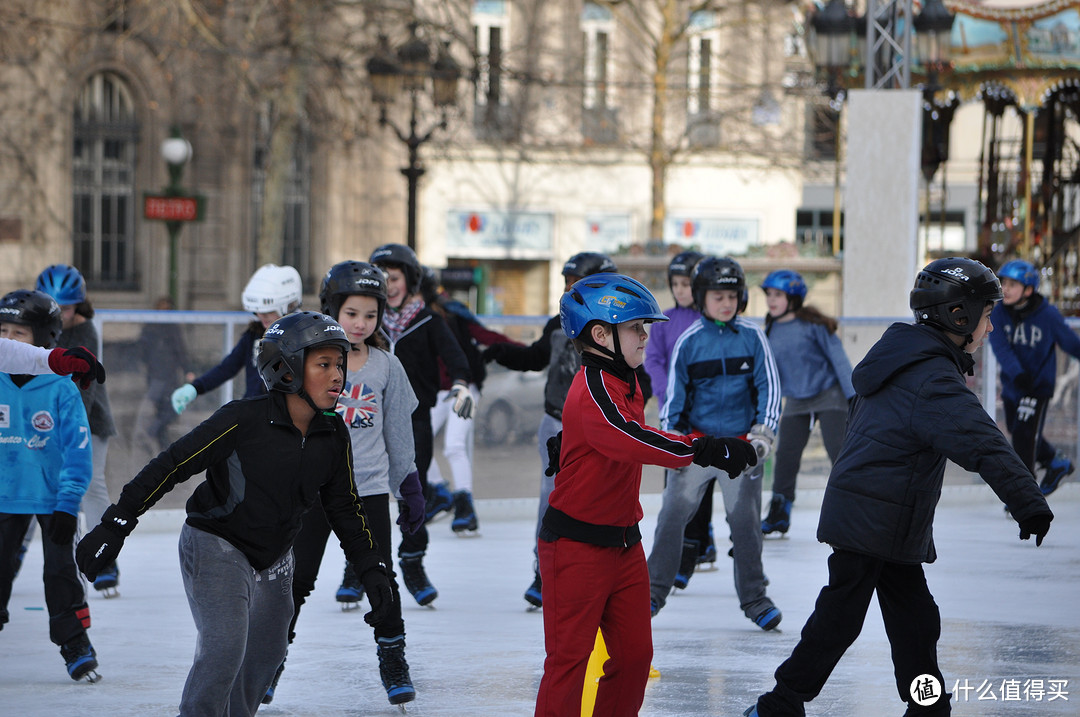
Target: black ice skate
<point>81,659</point>
<point>535,594</point>
<point>416,580</point>
<point>107,581</point>
<point>269,696</point>
<point>351,591</point>
<point>394,671</point>
<point>464,522</point>
<point>779,518</point>
<point>687,563</point>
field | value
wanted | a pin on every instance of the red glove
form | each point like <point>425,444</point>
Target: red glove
<point>79,363</point>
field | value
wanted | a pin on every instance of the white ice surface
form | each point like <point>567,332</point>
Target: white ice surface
<point>1009,612</point>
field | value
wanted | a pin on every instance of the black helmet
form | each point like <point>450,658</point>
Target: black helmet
<point>286,342</point>
<point>683,263</point>
<point>35,309</point>
<point>718,273</point>
<point>951,294</point>
<point>401,257</point>
<point>352,278</point>
<point>429,284</point>
<point>588,263</point>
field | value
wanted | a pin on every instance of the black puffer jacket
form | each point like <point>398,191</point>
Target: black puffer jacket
<point>913,412</point>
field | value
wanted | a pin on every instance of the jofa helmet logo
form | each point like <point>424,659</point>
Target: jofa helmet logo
<point>612,301</point>
<point>957,272</point>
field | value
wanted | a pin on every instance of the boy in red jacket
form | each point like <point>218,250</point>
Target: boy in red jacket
<point>591,560</point>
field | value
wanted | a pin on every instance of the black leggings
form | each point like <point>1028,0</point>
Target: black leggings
<point>424,442</point>
<point>794,433</point>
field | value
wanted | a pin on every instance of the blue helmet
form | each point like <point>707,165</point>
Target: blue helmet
<point>785,280</point>
<point>612,298</point>
<point>63,283</point>
<point>1022,271</point>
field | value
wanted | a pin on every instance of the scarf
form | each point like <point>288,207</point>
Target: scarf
<point>395,322</point>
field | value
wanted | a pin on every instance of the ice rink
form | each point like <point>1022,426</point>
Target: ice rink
<point>1010,639</point>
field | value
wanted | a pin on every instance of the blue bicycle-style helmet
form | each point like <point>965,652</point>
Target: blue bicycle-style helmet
<point>785,280</point>
<point>612,298</point>
<point>63,283</point>
<point>1022,271</point>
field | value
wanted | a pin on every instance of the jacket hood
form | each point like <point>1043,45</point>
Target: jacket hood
<point>901,346</point>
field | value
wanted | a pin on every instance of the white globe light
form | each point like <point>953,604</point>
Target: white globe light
<point>176,150</point>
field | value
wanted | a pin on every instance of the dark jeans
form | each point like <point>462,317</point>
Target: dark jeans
<point>698,527</point>
<point>311,544</point>
<point>794,433</point>
<point>912,622</point>
<point>1025,419</point>
<point>424,442</point>
<point>65,597</point>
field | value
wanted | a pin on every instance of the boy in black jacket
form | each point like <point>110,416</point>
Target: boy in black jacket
<point>267,460</point>
<point>912,412</point>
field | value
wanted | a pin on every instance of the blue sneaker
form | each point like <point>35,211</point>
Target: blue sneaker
<point>438,499</point>
<point>769,619</point>
<point>1058,469</point>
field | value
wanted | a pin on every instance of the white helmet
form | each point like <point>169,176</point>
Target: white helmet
<point>273,288</point>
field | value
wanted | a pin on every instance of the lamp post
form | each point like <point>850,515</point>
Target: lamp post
<point>411,69</point>
<point>176,151</point>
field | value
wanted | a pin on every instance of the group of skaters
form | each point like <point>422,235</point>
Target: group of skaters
<point>339,416</point>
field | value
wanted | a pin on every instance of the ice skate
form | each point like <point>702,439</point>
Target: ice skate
<point>706,561</point>
<point>464,523</point>
<point>534,595</point>
<point>351,591</point>
<point>768,619</point>
<point>269,696</point>
<point>394,671</point>
<point>1059,469</point>
<point>80,658</point>
<point>687,563</point>
<point>416,580</point>
<point>438,500</point>
<point>779,518</point>
<point>107,582</point>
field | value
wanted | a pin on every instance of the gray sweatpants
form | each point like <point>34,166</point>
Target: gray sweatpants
<point>742,504</point>
<point>242,618</point>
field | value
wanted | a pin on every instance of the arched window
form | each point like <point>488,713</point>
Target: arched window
<point>103,183</point>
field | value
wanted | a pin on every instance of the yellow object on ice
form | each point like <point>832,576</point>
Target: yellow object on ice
<point>594,671</point>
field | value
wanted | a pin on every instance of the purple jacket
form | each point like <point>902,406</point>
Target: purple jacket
<point>662,338</point>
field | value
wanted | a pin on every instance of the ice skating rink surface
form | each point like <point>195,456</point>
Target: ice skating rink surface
<point>1010,644</point>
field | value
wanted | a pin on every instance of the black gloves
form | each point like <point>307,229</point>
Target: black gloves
<point>412,506</point>
<point>493,353</point>
<point>731,455</point>
<point>1037,525</point>
<point>62,527</point>
<point>554,448</point>
<point>377,586</point>
<point>101,545</point>
<point>80,363</point>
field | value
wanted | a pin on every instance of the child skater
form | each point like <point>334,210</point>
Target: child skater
<point>913,410</point>
<point>1030,330</point>
<point>45,451</point>
<point>815,381</point>
<point>419,338</point>
<point>698,543</point>
<point>723,382</point>
<point>271,292</point>
<point>65,284</point>
<point>591,560</point>
<point>268,459</point>
<point>377,404</point>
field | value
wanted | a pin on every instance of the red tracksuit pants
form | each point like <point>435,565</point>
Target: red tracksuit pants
<point>586,587</point>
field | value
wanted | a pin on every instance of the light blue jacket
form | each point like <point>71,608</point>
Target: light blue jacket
<point>45,454</point>
<point>723,380</point>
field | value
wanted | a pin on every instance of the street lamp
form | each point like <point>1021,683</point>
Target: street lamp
<point>411,69</point>
<point>933,33</point>
<point>176,151</point>
<point>833,26</point>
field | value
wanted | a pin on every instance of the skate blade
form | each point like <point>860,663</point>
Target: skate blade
<point>108,593</point>
<point>534,608</point>
<point>91,677</point>
<point>402,708</point>
<point>706,568</point>
<point>349,606</point>
<point>467,533</point>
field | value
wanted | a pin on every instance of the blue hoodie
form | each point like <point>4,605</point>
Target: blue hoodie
<point>45,454</point>
<point>1024,340</point>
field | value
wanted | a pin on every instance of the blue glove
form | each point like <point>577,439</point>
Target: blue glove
<point>182,396</point>
<point>411,507</point>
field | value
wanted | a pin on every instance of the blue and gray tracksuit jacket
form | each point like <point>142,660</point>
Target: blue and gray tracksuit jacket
<point>45,454</point>
<point>722,381</point>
